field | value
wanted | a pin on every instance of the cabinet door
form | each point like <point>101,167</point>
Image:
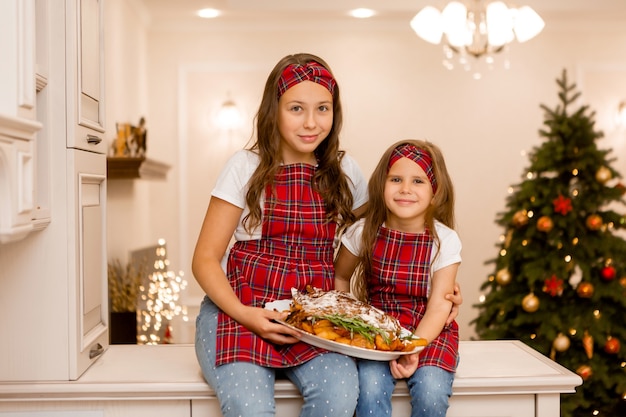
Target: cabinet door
<point>85,72</point>
<point>88,317</point>
<point>522,405</point>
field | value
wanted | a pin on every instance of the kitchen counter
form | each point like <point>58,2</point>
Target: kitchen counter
<point>506,374</point>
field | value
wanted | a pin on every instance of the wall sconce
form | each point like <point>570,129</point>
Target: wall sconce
<point>620,115</point>
<point>229,117</point>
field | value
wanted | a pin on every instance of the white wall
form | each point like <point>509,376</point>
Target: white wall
<point>393,86</point>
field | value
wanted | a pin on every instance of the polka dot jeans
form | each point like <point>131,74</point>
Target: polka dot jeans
<point>328,383</point>
<point>430,389</point>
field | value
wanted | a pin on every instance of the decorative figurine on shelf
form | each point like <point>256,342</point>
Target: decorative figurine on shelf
<point>131,140</point>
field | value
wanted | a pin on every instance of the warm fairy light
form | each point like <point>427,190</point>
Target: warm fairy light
<point>530,214</point>
<point>575,172</point>
<point>568,258</point>
<point>503,252</point>
<point>597,314</point>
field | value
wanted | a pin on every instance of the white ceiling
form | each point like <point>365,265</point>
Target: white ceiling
<point>181,13</point>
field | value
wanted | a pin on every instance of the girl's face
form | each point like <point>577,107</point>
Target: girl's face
<point>305,117</point>
<point>408,194</point>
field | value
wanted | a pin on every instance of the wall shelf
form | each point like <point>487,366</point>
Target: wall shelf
<point>132,168</point>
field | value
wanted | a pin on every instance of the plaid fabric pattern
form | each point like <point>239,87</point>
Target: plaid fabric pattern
<point>295,251</point>
<point>399,286</point>
<point>419,156</point>
<point>311,71</point>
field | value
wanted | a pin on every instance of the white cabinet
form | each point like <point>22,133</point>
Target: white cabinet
<point>85,75</point>
<point>52,190</point>
<point>88,296</point>
<point>86,183</point>
<point>18,124</point>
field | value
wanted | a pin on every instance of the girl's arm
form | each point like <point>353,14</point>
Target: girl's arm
<point>438,307</point>
<point>219,224</point>
<point>435,318</point>
<point>345,264</point>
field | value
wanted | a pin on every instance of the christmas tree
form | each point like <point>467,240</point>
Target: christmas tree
<point>559,279</point>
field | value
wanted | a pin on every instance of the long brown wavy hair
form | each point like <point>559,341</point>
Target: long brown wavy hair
<point>442,208</point>
<point>329,180</point>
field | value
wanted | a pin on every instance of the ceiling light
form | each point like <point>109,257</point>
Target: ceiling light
<point>474,36</point>
<point>208,13</point>
<point>362,13</point>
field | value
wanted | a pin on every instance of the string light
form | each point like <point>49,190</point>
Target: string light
<point>160,300</point>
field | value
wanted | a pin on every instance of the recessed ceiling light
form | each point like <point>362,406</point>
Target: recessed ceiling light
<point>208,13</point>
<point>362,13</point>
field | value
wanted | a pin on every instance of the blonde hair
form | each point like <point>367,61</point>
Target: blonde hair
<point>442,208</point>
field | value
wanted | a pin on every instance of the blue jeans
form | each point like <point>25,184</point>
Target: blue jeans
<point>328,383</point>
<point>430,388</point>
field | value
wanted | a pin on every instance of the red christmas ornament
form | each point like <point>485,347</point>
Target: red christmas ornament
<point>544,224</point>
<point>562,205</point>
<point>621,187</point>
<point>553,286</point>
<point>594,222</point>
<point>612,345</point>
<point>608,273</point>
<point>584,371</point>
<point>585,290</point>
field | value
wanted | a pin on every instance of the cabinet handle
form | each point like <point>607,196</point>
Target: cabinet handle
<point>96,351</point>
<point>93,139</point>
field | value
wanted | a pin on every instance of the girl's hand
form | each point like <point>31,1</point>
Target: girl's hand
<point>405,366</point>
<point>261,322</point>
<point>457,300</point>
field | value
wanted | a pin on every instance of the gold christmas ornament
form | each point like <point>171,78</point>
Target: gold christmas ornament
<point>530,303</point>
<point>561,343</point>
<point>520,218</point>
<point>503,276</point>
<point>603,175</point>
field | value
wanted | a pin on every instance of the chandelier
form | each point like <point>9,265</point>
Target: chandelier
<point>477,35</point>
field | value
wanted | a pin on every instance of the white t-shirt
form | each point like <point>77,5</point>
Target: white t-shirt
<point>232,186</point>
<point>450,243</point>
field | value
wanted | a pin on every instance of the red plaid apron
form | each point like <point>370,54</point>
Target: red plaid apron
<point>399,286</point>
<point>295,250</point>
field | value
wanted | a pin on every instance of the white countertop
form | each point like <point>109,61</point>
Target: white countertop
<point>172,372</point>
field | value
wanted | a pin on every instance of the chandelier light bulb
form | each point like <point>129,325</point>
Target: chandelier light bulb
<point>455,24</point>
<point>475,35</point>
<point>527,24</point>
<point>499,24</point>
<point>427,25</point>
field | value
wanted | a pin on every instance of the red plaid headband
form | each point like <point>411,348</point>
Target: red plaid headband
<point>419,156</point>
<point>311,71</point>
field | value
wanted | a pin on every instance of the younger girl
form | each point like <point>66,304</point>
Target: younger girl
<point>408,256</point>
<point>283,200</point>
